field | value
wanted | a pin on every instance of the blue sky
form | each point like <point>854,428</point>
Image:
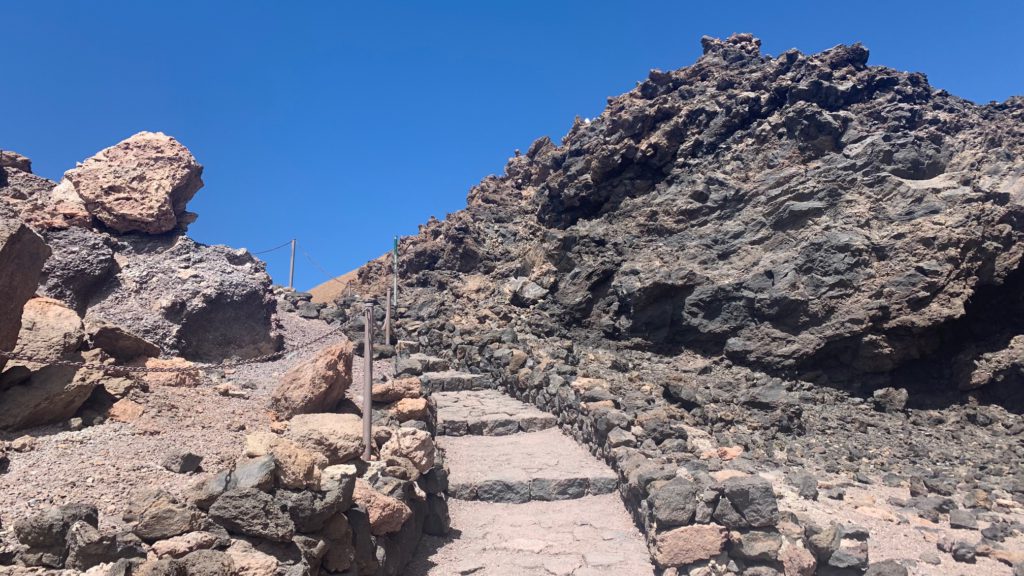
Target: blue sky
<point>343,123</point>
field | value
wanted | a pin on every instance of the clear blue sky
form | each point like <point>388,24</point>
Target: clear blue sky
<point>342,123</point>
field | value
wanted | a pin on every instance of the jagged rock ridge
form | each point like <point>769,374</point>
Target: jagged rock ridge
<point>810,216</point>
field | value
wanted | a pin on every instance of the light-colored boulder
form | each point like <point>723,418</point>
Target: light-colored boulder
<point>317,385</point>
<point>49,330</point>
<point>298,467</point>
<point>338,437</point>
<point>411,409</point>
<point>415,445</point>
<point>394,390</point>
<point>22,255</point>
<point>141,184</point>
<point>386,514</point>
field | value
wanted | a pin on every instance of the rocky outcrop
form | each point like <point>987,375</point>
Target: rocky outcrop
<point>116,223</point>
<point>141,184</point>
<point>204,303</point>
<point>732,255</point>
<point>22,257</point>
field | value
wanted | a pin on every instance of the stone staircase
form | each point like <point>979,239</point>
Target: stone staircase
<point>524,498</point>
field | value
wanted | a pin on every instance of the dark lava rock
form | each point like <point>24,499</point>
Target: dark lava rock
<point>674,502</point>
<point>963,552</point>
<point>251,512</point>
<point>754,499</point>
<point>963,519</point>
<point>181,462</point>
<point>886,568</point>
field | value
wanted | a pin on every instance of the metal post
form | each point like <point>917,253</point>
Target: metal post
<point>291,267</point>
<point>367,378</point>
<point>387,321</point>
<point>394,277</point>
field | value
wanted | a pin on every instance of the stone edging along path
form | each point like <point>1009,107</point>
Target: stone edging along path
<point>525,498</point>
<point>692,519</point>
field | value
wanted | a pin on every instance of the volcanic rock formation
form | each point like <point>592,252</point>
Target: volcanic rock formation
<point>797,266</point>
<point>116,224</point>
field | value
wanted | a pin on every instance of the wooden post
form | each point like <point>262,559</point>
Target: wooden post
<point>291,267</point>
<point>387,321</point>
<point>367,379</point>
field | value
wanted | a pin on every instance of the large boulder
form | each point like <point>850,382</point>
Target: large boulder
<point>204,303</point>
<point>141,184</point>
<point>22,256</point>
<point>317,385</point>
<point>32,394</point>
<point>49,330</point>
<point>51,394</point>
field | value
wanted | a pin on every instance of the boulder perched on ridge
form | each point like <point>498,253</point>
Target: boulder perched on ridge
<point>140,184</point>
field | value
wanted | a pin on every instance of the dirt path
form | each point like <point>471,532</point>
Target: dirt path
<point>523,502</point>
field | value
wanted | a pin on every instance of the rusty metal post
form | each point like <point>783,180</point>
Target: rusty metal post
<point>367,379</point>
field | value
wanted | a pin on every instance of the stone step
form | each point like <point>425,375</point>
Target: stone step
<point>487,413</point>
<point>544,465</point>
<point>454,381</point>
<point>592,536</point>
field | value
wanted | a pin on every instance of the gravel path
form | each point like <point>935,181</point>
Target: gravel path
<point>105,464</point>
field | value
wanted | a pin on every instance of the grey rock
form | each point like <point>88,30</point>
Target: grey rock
<point>758,546</point>
<point>224,308</point>
<point>754,498</point>
<point>964,552</point>
<point>158,515</point>
<point>208,563</point>
<point>890,399</point>
<point>674,502</point>
<point>252,512</point>
<point>503,491</point>
<point>563,489</point>
<point>963,519</point>
<point>181,462</point>
<point>886,568</point>
<point>81,263</point>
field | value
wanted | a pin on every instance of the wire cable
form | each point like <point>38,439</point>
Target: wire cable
<point>272,249</point>
<point>321,268</point>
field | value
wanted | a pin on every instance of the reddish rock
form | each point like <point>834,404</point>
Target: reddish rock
<point>688,544</point>
<point>394,390</point>
<point>317,385</point>
<point>411,409</point>
<point>386,514</point>
<point>125,410</point>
